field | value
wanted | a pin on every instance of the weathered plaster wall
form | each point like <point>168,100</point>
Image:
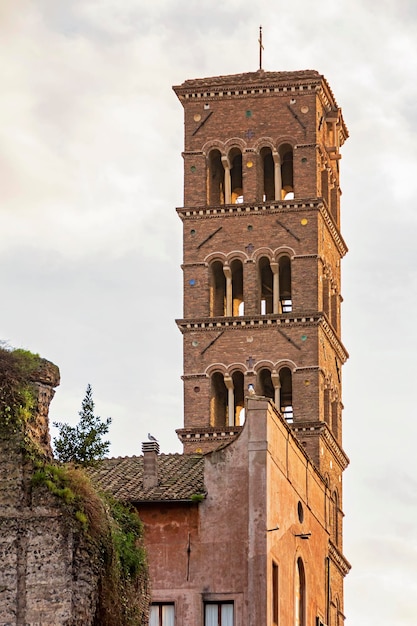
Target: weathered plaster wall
<point>223,548</point>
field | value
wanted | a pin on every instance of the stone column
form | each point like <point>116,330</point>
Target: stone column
<point>275,271</point>
<point>230,400</point>
<point>229,292</point>
<point>277,176</point>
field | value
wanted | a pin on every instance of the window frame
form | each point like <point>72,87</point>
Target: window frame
<point>219,604</point>
<point>160,606</point>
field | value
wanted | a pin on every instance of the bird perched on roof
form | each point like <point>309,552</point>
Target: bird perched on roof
<point>152,438</point>
<point>251,390</point>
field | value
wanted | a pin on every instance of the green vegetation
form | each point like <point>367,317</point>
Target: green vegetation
<point>111,531</point>
<point>197,497</point>
<point>17,397</point>
<point>115,534</point>
<point>83,443</point>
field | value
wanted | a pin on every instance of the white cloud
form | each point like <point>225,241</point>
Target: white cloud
<point>91,173</point>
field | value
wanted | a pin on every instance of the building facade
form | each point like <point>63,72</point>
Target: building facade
<point>245,527</point>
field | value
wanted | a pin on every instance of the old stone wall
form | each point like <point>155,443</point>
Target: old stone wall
<point>48,574</point>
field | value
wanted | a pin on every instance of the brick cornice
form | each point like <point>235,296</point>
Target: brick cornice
<point>265,208</point>
<point>339,559</point>
<point>199,435</point>
<point>310,428</point>
<point>225,210</point>
<point>337,237</point>
<point>260,322</point>
<point>249,84</point>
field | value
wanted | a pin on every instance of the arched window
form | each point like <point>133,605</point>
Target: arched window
<point>268,168</point>
<point>334,312</point>
<point>239,398</point>
<point>335,418</point>
<point>335,517</point>
<point>287,176</point>
<point>238,306</point>
<point>226,289</point>
<point>217,289</point>
<point>266,385</point>
<point>267,286</point>
<point>285,294</point>
<point>300,594</point>
<point>227,400</point>
<point>286,407</point>
<point>325,185</point>
<point>218,401</point>
<point>334,203</point>
<point>215,178</point>
<point>326,406</point>
<point>236,178</point>
<point>326,296</point>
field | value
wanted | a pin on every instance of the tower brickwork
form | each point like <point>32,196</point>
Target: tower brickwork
<point>262,253</point>
<point>262,268</point>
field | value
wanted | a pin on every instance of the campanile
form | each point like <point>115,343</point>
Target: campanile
<point>262,258</point>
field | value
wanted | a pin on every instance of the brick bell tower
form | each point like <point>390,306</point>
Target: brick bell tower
<point>262,256</point>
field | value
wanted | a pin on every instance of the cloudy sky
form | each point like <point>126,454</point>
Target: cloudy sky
<point>90,245</point>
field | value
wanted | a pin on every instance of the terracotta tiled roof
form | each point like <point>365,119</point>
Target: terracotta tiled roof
<point>180,476</point>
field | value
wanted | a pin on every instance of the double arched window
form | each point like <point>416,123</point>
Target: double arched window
<point>227,399</point>
<point>275,285</point>
<point>278,175</point>
<point>278,387</point>
<point>226,289</point>
<point>225,179</point>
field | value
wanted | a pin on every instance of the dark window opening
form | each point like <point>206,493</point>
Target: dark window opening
<point>268,175</point>
<point>325,186</point>
<point>287,176</point>
<point>215,179</point>
<point>218,401</point>
<point>286,407</point>
<point>238,305</point>
<point>335,520</point>
<point>326,297</point>
<point>275,596</point>
<point>300,594</point>
<point>267,286</point>
<point>239,398</point>
<point>326,401</point>
<point>285,295</point>
<point>265,384</point>
<point>334,312</point>
<point>335,418</point>
<point>217,290</point>
<point>236,177</point>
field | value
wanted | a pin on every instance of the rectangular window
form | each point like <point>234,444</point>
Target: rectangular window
<point>162,615</point>
<point>275,604</point>
<point>218,614</point>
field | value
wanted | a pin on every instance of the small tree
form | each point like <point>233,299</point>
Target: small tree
<point>83,443</point>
